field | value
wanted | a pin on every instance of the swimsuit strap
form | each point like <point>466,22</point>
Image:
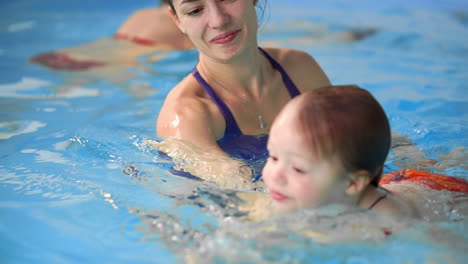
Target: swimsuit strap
<point>232,129</point>
<point>292,89</point>
<point>231,125</point>
<point>377,201</point>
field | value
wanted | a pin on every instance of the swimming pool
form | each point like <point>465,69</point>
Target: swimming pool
<point>77,184</point>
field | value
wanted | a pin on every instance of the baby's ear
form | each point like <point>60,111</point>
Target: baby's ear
<point>358,182</point>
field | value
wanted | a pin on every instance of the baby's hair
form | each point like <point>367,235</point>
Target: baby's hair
<point>346,121</point>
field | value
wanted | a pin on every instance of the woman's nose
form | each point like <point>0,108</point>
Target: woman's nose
<point>218,16</point>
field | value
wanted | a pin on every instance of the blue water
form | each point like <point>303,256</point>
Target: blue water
<point>64,196</point>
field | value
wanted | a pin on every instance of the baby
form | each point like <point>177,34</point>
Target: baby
<point>328,146</point>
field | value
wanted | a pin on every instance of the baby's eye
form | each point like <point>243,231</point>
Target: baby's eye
<point>273,158</point>
<point>298,170</point>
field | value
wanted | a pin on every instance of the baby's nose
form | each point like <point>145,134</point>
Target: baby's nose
<point>279,176</point>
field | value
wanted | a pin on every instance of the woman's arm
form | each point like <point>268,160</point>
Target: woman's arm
<point>189,117</point>
<point>189,130</point>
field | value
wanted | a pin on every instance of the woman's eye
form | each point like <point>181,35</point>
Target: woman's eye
<point>194,12</point>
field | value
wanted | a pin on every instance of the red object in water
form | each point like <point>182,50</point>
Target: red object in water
<point>59,61</point>
<point>430,180</point>
<point>64,62</point>
<point>137,40</point>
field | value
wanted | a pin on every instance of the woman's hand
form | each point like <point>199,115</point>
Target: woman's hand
<point>215,166</point>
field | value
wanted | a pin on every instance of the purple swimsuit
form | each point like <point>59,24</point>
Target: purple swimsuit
<point>249,148</point>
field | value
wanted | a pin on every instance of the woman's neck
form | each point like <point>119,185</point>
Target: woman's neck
<point>244,74</point>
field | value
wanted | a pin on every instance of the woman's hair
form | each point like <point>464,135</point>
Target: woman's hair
<point>170,3</point>
<point>346,121</point>
<point>261,7</point>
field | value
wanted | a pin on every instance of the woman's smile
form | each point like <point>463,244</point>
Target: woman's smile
<point>225,38</point>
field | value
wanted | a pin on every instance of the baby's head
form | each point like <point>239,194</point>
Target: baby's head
<point>326,146</point>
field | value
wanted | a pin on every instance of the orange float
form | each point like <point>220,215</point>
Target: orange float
<point>430,180</point>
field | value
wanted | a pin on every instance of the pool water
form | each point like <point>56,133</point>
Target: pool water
<point>77,184</point>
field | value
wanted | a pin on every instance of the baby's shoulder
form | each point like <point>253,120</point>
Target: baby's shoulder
<point>398,206</point>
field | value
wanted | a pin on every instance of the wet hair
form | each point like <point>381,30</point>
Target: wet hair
<point>346,121</point>
<point>170,3</point>
<point>261,7</point>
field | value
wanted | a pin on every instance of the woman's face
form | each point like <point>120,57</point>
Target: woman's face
<point>295,176</point>
<point>220,29</point>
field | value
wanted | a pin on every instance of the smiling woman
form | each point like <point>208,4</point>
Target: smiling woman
<point>227,104</point>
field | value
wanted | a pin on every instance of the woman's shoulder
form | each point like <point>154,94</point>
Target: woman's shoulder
<point>186,103</point>
<point>302,68</point>
<point>282,54</point>
<point>187,96</point>
<point>286,56</point>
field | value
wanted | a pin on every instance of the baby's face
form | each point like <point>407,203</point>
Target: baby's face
<point>295,177</point>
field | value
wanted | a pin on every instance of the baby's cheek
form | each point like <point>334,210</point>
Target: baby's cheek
<point>266,175</point>
<point>307,194</point>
